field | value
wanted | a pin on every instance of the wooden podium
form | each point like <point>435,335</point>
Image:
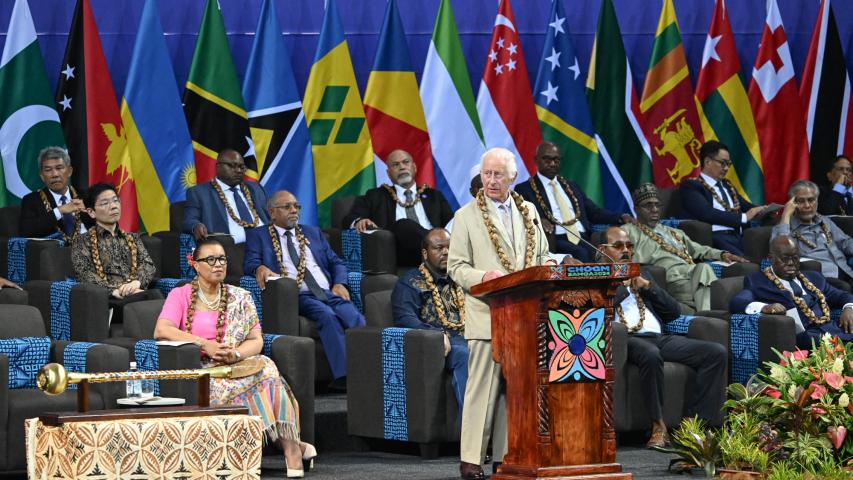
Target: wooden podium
<point>551,334</point>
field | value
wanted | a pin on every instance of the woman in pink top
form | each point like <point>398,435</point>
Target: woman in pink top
<point>222,320</point>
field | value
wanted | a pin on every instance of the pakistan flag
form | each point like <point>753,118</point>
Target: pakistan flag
<point>28,118</point>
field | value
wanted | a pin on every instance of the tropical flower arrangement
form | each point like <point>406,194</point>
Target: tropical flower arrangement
<point>790,421</point>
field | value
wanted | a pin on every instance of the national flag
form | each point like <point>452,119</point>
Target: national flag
<point>614,108</point>
<point>451,114</point>
<point>343,154</point>
<point>28,119</point>
<point>393,108</point>
<point>825,93</point>
<point>90,116</point>
<point>159,147</point>
<point>727,108</point>
<point>561,106</point>
<point>668,107</point>
<point>778,113</point>
<point>279,132</point>
<point>213,102</point>
<point>504,101</point>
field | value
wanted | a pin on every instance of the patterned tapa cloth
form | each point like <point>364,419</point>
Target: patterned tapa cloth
<point>216,446</point>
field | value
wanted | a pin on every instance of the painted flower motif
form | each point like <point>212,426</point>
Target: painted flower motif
<point>576,345</point>
<point>834,380</point>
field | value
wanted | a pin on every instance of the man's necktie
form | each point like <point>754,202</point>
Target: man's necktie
<point>67,218</point>
<point>410,210</point>
<point>309,279</point>
<point>565,212</point>
<point>725,195</point>
<point>798,292</point>
<point>506,219</point>
<point>809,299</point>
<point>242,209</point>
<point>848,202</point>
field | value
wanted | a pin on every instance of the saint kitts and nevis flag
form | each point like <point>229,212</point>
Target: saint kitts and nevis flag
<point>343,154</point>
<point>28,118</point>
<point>213,102</point>
<point>276,119</point>
<point>504,101</point>
<point>778,112</point>
<point>90,116</point>
<point>724,101</point>
<point>392,106</point>
<point>613,105</point>
<point>158,149</point>
<point>829,122</point>
<point>562,109</point>
<point>451,114</point>
<point>670,116</point>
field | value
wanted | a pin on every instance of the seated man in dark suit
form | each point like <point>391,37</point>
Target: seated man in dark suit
<point>403,208</point>
<point>836,198</point>
<point>644,307</point>
<point>712,199</point>
<point>560,202</point>
<point>286,248</point>
<point>56,208</point>
<point>226,204</point>
<point>426,298</point>
<point>804,296</point>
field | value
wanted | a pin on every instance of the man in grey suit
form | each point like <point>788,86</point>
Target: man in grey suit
<point>477,257</point>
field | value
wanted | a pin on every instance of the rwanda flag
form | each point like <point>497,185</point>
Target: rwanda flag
<point>159,148</point>
<point>279,132</point>
<point>343,154</point>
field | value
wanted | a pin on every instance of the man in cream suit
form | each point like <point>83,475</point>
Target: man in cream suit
<point>476,257</point>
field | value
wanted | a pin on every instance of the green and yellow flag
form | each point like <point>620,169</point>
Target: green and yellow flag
<point>343,154</point>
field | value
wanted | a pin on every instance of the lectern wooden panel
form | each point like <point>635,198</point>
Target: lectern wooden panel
<point>551,334</point>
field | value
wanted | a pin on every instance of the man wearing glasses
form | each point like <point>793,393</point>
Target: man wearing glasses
<point>644,307</point>
<point>226,204</point>
<point>817,236</point>
<point>712,199</point>
<point>285,248</point>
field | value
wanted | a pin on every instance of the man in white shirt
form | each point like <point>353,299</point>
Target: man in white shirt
<point>57,207</point>
<point>643,307</point>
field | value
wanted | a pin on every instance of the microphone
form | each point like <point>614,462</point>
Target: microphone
<point>588,243</point>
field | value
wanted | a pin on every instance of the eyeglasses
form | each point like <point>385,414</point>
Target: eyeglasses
<point>289,206</point>
<point>805,200</point>
<point>723,163</point>
<point>107,203</point>
<point>233,166</point>
<point>212,261</point>
<point>619,245</point>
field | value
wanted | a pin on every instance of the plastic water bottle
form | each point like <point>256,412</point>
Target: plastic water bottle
<point>133,387</point>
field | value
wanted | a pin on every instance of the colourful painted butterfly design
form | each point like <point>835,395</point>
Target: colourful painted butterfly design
<point>576,345</point>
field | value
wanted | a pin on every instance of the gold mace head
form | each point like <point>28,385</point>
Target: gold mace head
<point>52,379</point>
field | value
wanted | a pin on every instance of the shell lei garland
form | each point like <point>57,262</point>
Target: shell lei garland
<point>826,233</point>
<point>801,304</point>
<point>541,201</point>
<point>393,192</point>
<point>458,301</point>
<point>682,254</point>
<point>640,305</point>
<point>49,209</point>
<point>96,255</point>
<point>493,231</point>
<point>256,219</point>
<point>276,245</point>
<point>735,202</point>
<point>220,318</point>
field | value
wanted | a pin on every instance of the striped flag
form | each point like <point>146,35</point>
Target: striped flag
<point>561,106</point>
<point>276,119</point>
<point>451,114</point>
<point>668,107</point>
<point>727,108</point>
<point>825,93</point>
<point>392,106</point>
<point>343,154</point>
<point>614,108</point>
<point>504,101</point>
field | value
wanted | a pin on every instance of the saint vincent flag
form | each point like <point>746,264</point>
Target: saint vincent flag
<point>90,116</point>
<point>392,104</point>
<point>727,108</point>
<point>28,118</point>
<point>159,148</point>
<point>213,102</point>
<point>343,154</point>
<point>668,107</point>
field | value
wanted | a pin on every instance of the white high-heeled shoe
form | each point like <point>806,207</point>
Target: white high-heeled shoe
<point>308,454</point>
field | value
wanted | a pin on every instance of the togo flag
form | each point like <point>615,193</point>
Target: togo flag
<point>28,119</point>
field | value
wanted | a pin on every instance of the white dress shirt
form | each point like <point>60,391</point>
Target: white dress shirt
<point>310,262</point>
<point>717,206</point>
<point>237,232</point>
<point>400,211</point>
<point>555,209</point>
<point>57,200</point>
<point>631,311</point>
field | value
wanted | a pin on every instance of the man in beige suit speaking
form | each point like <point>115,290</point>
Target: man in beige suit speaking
<point>495,234</point>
